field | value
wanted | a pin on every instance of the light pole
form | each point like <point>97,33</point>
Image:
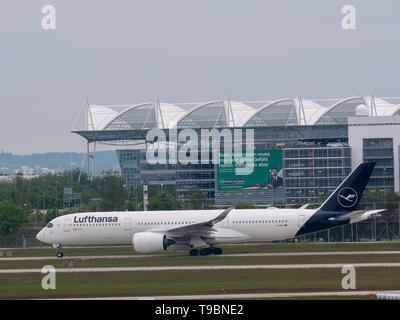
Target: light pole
<point>44,204</point>
<point>356,231</point>
<point>299,192</point>
<point>127,193</point>
<point>384,187</point>
<point>56,192</point>
<point>136,195</point>
<point>320,194</point>
<point>98,198</point>
<point>352,236</point>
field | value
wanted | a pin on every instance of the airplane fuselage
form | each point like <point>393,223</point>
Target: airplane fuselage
<point>153,231</point>
<point>241,225</point>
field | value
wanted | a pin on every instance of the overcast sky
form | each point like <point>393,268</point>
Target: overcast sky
<point>123,52</point>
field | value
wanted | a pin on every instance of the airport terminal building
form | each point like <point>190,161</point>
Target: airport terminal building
<point>303,148</point>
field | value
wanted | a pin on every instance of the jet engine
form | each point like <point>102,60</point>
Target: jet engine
<point>149,242</point>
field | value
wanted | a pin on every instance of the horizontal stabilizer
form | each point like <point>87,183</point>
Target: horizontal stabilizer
<point>358,215</point>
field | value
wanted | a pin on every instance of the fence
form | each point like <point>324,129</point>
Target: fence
<point>370,230</point>
<point>21,242</point>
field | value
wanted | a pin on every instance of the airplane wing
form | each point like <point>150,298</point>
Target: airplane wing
<point>198,229</point>
<point>358,215</point>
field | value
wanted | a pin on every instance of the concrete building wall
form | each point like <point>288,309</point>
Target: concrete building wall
<point>360,128</point>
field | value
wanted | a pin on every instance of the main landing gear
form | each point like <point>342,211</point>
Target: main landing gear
<point>60,254</point>
<point>205,251</point>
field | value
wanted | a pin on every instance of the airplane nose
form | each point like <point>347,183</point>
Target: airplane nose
<point>39,236</point>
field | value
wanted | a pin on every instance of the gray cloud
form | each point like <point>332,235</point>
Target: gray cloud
<point>132,51</point>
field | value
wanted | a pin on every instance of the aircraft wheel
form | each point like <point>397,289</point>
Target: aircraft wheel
<point>206,251</point>
<point>194,252</point>
<point>217,251</point>
<point>60,254</point>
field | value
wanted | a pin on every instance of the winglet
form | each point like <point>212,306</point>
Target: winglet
<point>221,216</point>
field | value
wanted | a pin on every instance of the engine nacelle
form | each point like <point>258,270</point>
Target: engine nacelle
<point>149,242</point>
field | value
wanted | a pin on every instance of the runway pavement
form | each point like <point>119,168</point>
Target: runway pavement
<point>252,295</point>
<point>269,254</point>
<point>196,268</point>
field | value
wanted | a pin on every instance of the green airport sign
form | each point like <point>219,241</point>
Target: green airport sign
<point>259,178</point>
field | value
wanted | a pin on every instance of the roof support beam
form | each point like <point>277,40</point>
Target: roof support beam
<point>230,119</point>
<point>373,111</point>
<point>301,114</point>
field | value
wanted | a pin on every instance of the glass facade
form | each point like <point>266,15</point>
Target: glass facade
<point>380,151</point>
<point>338,114</point>
<point>207,116</point>
<point>281,113</point>
<point>138,117</point>
<point>315,160</point>
<point>312,173</point>
<point>255,197</point>
<point>311,168</point>
<point>136,170</point>
<point>315,154</point>
<point>129,161</point>
<point>199,175</point>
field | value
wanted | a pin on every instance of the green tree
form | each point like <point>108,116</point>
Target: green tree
<point>163,201</point>
<point>20,191</point>
<point>131,205</point>
<point>6,190</point>
<point>50,215</point>
<point>113,196</point>
<point>391,204</point>
<point>195,199</point>
<point>12,217</point>
<point>244,205</point>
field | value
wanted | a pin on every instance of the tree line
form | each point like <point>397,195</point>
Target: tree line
<point>40,199</point>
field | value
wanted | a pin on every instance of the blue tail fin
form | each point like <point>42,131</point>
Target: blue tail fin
<point>348,195</point>
<point>343,200</point>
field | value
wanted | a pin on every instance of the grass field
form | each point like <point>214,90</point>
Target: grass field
<point>197,261</point>
<point>194,282</point>
<point>270,247</point>
<point>153,283</point>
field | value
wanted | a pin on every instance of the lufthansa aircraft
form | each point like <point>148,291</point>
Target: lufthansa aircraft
<point>201,230</point>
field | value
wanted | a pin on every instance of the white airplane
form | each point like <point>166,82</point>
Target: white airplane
<point>157,231</point>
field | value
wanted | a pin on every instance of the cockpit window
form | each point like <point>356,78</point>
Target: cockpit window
<point>49,225</point>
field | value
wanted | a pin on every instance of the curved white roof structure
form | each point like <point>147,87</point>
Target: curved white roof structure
<point>383,107</point>
<point>277,113</point>
<point>312,111</point>
<point>338,113</point>
<point>226,113</point>
<point>207,115</point>
<point>241,113</point>
<point>98,116</point>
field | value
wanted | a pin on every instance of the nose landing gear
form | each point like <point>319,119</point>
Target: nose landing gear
<point>60,254</point>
